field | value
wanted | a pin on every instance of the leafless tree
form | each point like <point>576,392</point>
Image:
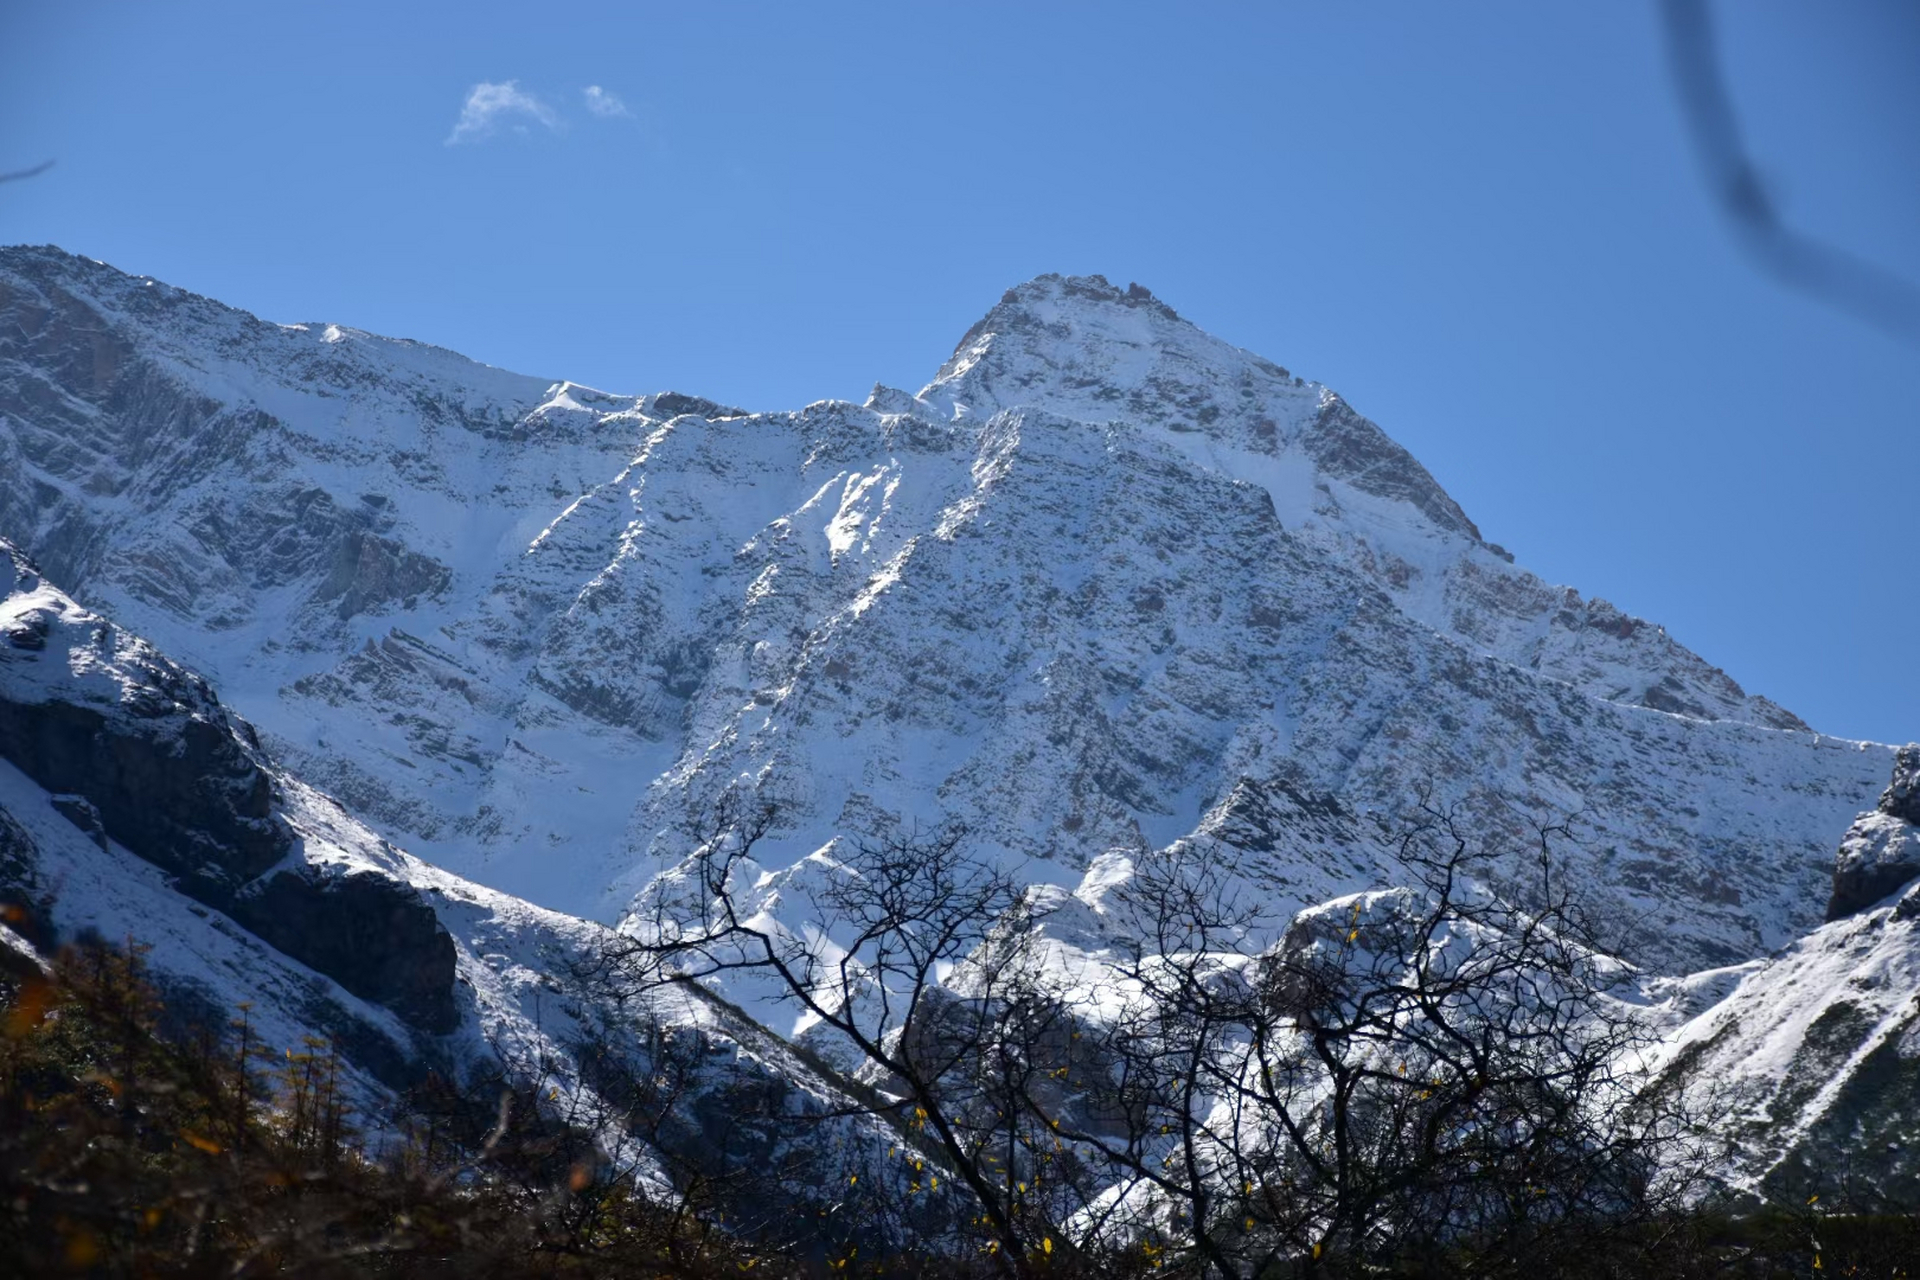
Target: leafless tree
<point>911,972</point>
<point>1423,1071</point>
<point>1427,1071</point>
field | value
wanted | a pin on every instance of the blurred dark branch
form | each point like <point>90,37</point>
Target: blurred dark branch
<point>34,172</point>
<point>1822,271</point>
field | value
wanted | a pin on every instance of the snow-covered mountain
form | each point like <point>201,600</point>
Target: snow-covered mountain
<point>134,805</point>
<point>1106,582</point>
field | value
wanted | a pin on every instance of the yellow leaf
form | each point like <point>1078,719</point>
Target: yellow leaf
<point>1047,1244</point>
<point>1353,935</point>
<point>199,1143</point>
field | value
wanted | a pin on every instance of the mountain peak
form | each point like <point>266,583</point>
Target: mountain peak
<point>1085,348</point>
<point>1093,289</point>
<point>1047,301</point>
<point>1133,567</point>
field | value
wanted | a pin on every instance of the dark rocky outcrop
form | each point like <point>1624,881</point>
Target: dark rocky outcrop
<point>1861,884</point>
<point>1901,799</point>
<point>374,937</point>
<point>81,813</point>
<point>138,750</point>
<point>1351,448</point>
<point>1881,850</point>
<point>370,571</point>
<point>671,404</point>
<point>178,789</point>
<point>187,796</point>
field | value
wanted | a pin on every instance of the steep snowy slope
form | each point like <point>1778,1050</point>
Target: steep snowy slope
<point>1088,352</point>
<point>1812,1063</point>
<point>134,806</point>
<point>1107,582</point>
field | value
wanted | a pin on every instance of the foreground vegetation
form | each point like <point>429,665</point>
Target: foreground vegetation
<point>138,1141</point>
<point>134,1142</point>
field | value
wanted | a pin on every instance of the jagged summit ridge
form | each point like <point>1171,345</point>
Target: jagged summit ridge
<point>1107,582</point>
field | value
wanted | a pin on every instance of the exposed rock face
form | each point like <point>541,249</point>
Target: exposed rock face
<point>360,929</point>
<point>1901,799</point>
<point>1881,851</point>
<point>91,712</point>
<point>141,752</point>
<point>176,791</point>
<point>1106,582</point>
<point>81,812</point>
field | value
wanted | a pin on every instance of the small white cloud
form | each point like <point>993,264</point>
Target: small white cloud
<point>489,106</point>
<point>605,105</point>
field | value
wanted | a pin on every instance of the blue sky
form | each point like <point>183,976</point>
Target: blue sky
<point>1480,222</point>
